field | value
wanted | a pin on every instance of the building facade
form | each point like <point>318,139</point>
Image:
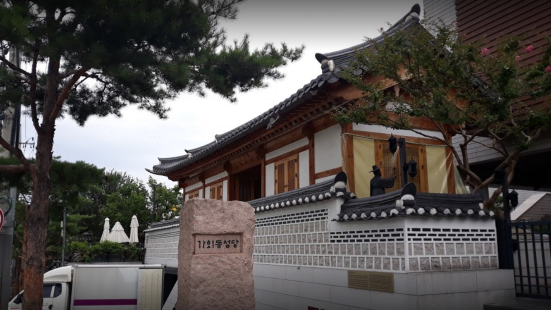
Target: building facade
<point>321,241</point>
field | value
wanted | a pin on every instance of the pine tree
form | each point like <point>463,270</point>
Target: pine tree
<point>100,56</point>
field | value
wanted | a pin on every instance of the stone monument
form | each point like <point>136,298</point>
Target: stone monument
<point>215,267</point>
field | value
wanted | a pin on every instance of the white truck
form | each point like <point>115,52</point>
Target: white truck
<point>106,287</point>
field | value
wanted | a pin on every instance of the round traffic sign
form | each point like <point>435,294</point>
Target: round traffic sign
<point>1,218</point>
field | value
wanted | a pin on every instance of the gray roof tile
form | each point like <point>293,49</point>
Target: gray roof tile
<point>308,194</point>
<point>407,202</point>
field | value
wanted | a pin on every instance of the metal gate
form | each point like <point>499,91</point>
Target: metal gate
<point>531,247</point>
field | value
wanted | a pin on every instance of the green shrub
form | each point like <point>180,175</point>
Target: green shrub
<point>134,253</point>
<point>81,248</point>
<point>107,248</point>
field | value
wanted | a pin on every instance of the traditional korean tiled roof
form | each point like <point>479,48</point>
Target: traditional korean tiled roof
<point>168,165</point>
<point>340,60</point>
<point>175,222</point>
<point>332,66</point>
<point>305,195</point>
<point>407,202</point>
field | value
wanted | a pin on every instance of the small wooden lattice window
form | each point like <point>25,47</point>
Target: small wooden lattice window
<point>286,174</point>
<point>194,194</point>
<point>389,164</point>
<point>216,191</point>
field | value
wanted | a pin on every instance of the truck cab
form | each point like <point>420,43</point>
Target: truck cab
<point>56,290</point>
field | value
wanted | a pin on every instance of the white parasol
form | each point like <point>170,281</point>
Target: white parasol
<point>118,234</point>
<point>105,234</point>
<point>134,230</point>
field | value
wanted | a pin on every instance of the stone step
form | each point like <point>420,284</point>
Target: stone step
<point>521,304</point>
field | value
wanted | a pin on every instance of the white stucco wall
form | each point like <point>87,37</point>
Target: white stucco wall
<point>225,190</point>
<point>207,191</point>
<point>270,190</point>
<point>288,148</point>
<point>201,194</point>
<point>327,146</point>
<point>304,169</point>
<point>216,177</point>
<point>186,197</point>
<point>193,186</point>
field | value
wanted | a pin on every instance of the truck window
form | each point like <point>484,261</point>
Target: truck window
<point>47,290</point>
<point>57,290</point>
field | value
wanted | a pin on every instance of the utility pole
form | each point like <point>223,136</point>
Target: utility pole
<point>9,130</point>
<point>154,211</point>
<point>63,234</point>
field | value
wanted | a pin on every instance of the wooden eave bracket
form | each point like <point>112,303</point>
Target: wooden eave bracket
<point>308,130</point>
<point>260,151</point>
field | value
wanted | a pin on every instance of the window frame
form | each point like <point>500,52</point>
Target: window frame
<point>218,190</point>
<point>285,164</point>
<point>193,194</point>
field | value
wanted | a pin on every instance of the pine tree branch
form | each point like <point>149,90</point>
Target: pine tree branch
<point>16,152</point>
<point>65,92</point>
<point>13,169</point>
<point>32,93</point>
<point>14,67</point>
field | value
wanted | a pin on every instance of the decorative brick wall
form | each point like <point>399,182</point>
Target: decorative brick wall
<point>451,248</point>
<point>303,239</point>
<point>304,236</point>
<point>162,244</point>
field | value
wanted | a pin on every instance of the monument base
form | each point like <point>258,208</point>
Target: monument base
<point>215,256</point>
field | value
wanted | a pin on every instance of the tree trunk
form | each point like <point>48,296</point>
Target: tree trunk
<point>37,224</point>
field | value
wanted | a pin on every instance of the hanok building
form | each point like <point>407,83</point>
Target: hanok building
<point>319,236</point>
<point>297,144</point>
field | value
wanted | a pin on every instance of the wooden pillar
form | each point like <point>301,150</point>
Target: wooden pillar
<point>261,153</point>
<point>183,187</point>
<point>311,160</point>
<point>308,130</point>
<point>348,155</point>
<point>227,168</point>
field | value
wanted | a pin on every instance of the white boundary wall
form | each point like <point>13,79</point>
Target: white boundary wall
<point>162,246</point>
<point>302,258</point>
<point>291,287</point>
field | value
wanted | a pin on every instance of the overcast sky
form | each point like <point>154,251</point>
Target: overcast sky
<point>135,141</point>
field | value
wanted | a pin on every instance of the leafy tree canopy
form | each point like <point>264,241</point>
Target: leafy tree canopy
<point>90,194</point>
<point>473,91</point>
<point>135,52</point>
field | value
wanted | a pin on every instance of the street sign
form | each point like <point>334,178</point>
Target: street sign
<point>1,218</point>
